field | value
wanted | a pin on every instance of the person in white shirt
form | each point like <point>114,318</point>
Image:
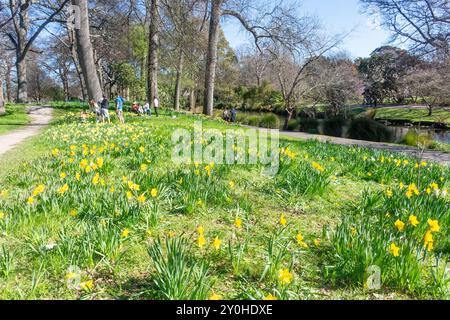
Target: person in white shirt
<point>156,105</point>
<point>147,109</point>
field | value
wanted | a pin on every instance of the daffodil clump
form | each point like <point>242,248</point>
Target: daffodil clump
<point>401,230</point>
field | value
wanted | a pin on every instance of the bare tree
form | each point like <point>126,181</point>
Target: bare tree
<point>184,28</point>
<point>429,82</point>
<point>425,24</point>
<point>24,31</point>
<point>298,44</point>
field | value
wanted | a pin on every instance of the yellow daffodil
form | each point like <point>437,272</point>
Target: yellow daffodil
<point>73,213</point>
<point>141,198</point>
<point>238,223</point>
<point>413,221</point>
<point>394,250</point>
<point>434,225</point>
<point>201,241</point>
<point>30,201</point>
<point>317,166</point>
<point>400,225</point>
<point>87,285</point>
<point>125,233</point>
<point>283,220</point>
<point>38,190</point>
<point>428,241</point>
<point>215,296</point>
<point>63,189</point>
<point>285,276</point>
<point>217,243</point>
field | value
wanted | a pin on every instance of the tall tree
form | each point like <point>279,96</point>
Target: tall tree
<point>24,32</point>
<point>211,59</point>
<point>153,50</point>
<point>263,20</point>
<point>85,52</point>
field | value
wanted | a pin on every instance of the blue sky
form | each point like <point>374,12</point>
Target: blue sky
<point>337,16</point>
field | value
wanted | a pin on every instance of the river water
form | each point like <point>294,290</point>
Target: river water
<point>399,132</point>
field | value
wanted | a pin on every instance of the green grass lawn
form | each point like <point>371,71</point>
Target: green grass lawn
<point>441,115</point>
<point>16,117</point>
<point>102,212</point>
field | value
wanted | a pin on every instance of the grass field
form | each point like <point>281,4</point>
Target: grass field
<point>440,115</point>
<point>101,212</point>
<point>16,117</point>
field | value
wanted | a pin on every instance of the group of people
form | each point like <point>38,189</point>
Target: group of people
<point>230,115</point>
<point>101,109</point>
<point>146,109</point>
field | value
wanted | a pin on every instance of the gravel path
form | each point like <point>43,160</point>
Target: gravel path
<point>40,117</point>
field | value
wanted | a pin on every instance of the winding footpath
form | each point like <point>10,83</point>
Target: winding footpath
<point>40,117</point>
<point>428,155</point>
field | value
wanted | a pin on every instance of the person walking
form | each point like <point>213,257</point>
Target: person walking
<point>156,105</point>
<point>119,109</point>
<point>105,110</point>
<point>226,115</point>
<point>233,115</point>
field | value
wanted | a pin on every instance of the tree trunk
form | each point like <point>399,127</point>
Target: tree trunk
<point>153,47</point>
<point>192,100</point>
<point>20,49</point>
<point>86,54</point>
<point>22,83</point>
<point>8,83</point>
<point>288,118</point>
<point>178,81</point>
<point>76,62</point>
<point>430,111</point>
<point>211,59</point>
<point>2,100</point>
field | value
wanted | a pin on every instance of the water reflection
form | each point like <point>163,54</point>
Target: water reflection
<point>400,133</point>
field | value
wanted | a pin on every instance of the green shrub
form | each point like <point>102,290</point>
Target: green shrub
<point>293,125</point>
<point>309,125</point>
<point>334,126</point>
<point>253,121</point>
<point>270,121</point>
<point>369,130</point>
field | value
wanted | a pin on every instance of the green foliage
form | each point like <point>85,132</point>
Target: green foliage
<point>309,125</point>
<point>334,126</point>
<point>370,130</point>
<point>293,125</point>
<point>270,121</point>
<point>179,275</point>
<point>366,237</point>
